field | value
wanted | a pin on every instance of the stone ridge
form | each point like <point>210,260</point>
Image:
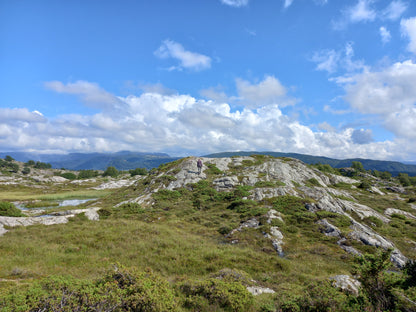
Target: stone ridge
<point>282,176</point>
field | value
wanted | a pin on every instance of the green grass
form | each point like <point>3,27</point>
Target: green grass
<point>26,193</point>
<point>185,237</point>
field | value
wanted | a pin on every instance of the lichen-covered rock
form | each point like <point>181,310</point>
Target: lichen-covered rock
<point>290,171</point>
<point>53,179</point>
<point>374,189</point>
<point>251,223</point>
<point>226,183</point>
<point>367,236</point>
<point>396,189</point>
<point>257,290</point>
<point>58,218</point>
<point>347,283</point>
<point>188,173</point>
<point>277,239</point>
<point>363,211</point>
<point>351,250</point>
<point>114,184</point>
<point>2,230</point>
<point>391,211</point>
<point>328,229</point>
<point>26,221</point>
<point>273,215</point>
<point>90,213</point>
<point>259,194</point>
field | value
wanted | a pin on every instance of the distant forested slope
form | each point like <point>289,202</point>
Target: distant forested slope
<point>393,167</point>
<point>96,161</point>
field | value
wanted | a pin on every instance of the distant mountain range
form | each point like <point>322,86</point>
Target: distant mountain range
<point>97,161</point>
<point>126,160</point>
<point>393,167</point>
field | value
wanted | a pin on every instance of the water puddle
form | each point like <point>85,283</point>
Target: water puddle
<point>60,203</point>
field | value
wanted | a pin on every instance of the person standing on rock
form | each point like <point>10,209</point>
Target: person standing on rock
<point>199,165</point>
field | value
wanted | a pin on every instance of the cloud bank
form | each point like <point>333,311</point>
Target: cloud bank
<point>181,124</point>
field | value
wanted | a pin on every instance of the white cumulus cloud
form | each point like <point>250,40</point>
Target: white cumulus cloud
<point>187,59</point>
<point>266,92</point>
<point>235,3</point>
<point>385,35</point>
<point>408,27</point>
<point>361,12</point>
<point>389,94</point>
<point>331,60</point>
<point>92,94</point>
<point>182,124</point>
<point>394,10</point>
<point>327,60</point>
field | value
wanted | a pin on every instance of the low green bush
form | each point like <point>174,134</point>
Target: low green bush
<point>242,205</point>
<point>68,175</point>
<point>165,179</point>
<point>167,195</point>
<point>313,182</point>
<point>264,184</point>
<point>111,171</point>
<point>212,169</point>
<point>104,213</point>
<point>213,293</point>
<point>289,204</point>
<point>9,210</point>
<point>120,290</point>
<point>129,209</point>
<point>138,171</point>
<point>87,174</point>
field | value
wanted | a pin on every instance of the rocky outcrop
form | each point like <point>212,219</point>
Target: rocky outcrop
<point>328,229</point>
<point>226,183</point>
<point>271,177</point>
<point>257,290</point>
<point>2,230</point>
<point>347,283</point>
<point>90,213</point>
<point>259,194</point>
<point>251,223</point>
<point>390,211</point>
<point>351,250</point>
<point>396,189</point>
<point>277,239</point>
<point>49,179</point>
<point>273,215</point>
<point>27,221</point>
<point>58,218</point>
<point>367,236</point>
<point>114,184</point>
<point>363,211</point>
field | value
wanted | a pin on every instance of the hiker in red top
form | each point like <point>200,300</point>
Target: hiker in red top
<point>199,165</point>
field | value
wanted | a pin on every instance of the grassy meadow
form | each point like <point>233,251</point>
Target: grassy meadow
<point>182,244</point>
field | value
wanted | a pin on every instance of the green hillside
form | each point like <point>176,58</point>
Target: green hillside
<point>246,234</point>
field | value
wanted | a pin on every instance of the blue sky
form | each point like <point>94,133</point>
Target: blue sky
<point>323,77</point>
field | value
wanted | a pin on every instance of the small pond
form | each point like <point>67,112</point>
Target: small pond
<point>60,203</point>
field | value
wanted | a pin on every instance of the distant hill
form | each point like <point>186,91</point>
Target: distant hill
<point>97,161</point>
<point>393,167</point>
<point>126,160</point>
